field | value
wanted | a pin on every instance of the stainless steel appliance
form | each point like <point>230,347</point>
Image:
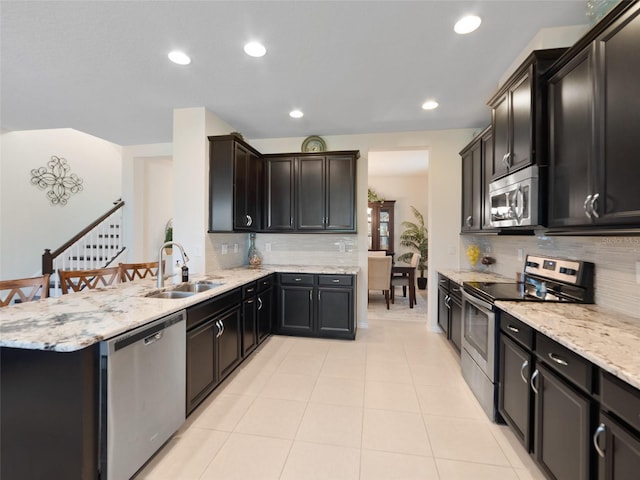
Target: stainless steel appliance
<point>142,394</point>
<point>513,200</point>
<point>545,279</point>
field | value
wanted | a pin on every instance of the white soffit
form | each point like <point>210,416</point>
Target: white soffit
<point>398,163</point>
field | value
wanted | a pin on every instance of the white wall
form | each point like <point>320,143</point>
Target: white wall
<point>158,206</point>
<point>443,189</point>
<point>28,221</point>
<point>407,191</point>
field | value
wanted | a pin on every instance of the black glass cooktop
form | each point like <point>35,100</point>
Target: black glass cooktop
<point>534,291</point>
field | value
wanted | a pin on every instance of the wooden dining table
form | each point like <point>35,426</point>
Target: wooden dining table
<point>411,273</point>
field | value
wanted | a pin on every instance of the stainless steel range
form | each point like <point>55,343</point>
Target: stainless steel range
<point>545,279</point>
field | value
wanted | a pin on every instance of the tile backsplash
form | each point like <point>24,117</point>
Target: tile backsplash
<point>615,261</point>
<point>282,249</point>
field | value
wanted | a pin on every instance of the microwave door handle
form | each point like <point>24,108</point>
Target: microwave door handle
<point>519,203</point>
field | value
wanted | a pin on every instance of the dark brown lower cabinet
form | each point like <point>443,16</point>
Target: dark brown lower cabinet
<point>619,450</point>
<point>229,343</point>
<point>265,314</point>
<point>316,305</point>
<point>562,427</point>
<point>514,394</point>
<point>249,325</point>
<point>201,372</point>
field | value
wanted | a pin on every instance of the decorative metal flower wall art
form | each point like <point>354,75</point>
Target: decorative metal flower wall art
<point>56,177</point>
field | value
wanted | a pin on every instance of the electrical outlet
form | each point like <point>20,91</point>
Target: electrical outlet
<point>638,273</point>
<point>267,246</point>
<point>225,249</point>
<point>342,247</point>
<point>235,248</point>
<point>520,254</point>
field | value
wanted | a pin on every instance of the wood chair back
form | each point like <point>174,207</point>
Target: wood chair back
<point>379,275</point>
<point>23,289</point>
<point>130,271</point>
<point>76,280</point>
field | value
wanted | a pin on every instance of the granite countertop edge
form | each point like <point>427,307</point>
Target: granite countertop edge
<point>608,339</point>
<point>78,320</point>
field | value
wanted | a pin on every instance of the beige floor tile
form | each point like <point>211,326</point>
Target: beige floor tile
<point>348,349</point>
<point>451,401</point>
<point>310,346</point>
<point>436,374</point>
<point>223,413</point>
<point>456,470</point>
<point>288,387</point>
<point>531,473</point>
<point>343,368</point>
<point>339,391</point>
<point>464,439</point>
<point>376,465</point>
<point>312,461</point>
<point>391,396</point>
<point>512,448</point>
<point>388,371</point>
<point>400,432</point>
<point>184,457</point>
<point>388,351</point>
<point>248,457</point>
<point>302,364</point>
<point>245,382</point>
<point>272,418</point>
<point>331,424</point>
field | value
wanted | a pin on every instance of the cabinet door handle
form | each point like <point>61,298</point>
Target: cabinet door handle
<point>219,329</point>
<point>532,381</point>
<point>290,221</point>
<point>318,295</point>
<point>524,365</point>
<point>250,301</point>
<point>592,205</point>
<point>249,220</point>
<point>469,221</point>
<point>557,359</point>
<point>311,295</point>
<point>596,437</point>
<point>259,303</point>
<point>505,160</point>
<point>447,301</point>
<point>249,290</point>
<point>336,280</point>
<point>586,206</point>
<point>513,329</point>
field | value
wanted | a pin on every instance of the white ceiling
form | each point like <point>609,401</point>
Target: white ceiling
<point>352,66</point>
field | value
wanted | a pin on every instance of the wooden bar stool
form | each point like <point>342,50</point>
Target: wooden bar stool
<point>130,271</point>
<point>25,289</point>
<point>77,280</point>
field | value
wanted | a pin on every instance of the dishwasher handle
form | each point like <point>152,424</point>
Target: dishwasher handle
<point>153,338</point>
<point>148,334</point>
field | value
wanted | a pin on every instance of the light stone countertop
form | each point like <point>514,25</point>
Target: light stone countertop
<point>461,276</point>
<point>77,320</point>
<point>608,339</point>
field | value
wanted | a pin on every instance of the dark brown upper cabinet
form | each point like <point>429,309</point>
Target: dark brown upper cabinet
<point>476,176</point>
<point>594,120</point>
<point>235,180</point>
<point>279,190</point>
<point>518,116</point>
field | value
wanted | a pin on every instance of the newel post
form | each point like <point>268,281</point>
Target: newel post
<point>47,262</point>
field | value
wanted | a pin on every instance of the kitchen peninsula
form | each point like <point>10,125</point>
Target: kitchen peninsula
<point>51,366</point>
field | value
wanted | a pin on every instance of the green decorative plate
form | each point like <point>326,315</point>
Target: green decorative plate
<point>314,144</point>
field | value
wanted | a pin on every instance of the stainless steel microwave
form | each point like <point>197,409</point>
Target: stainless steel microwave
<point>514,199</point>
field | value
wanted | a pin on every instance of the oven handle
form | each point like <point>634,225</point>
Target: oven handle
<point>477,302</point>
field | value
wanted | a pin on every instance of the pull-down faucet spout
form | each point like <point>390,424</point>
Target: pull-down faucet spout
<point>185,259</point>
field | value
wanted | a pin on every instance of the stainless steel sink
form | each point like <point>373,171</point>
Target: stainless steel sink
<point>170,294</point>
<point>196,287</point>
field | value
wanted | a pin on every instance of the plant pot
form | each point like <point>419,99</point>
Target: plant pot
<point>422,283</point>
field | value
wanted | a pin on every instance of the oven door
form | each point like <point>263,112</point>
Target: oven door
<point>478,337</point>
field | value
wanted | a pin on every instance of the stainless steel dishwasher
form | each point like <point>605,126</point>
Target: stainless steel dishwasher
<point>142,393</point>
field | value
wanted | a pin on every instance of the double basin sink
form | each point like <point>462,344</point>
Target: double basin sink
<point>184,290</point>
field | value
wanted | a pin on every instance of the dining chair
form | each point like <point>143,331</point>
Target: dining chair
<point>76,280</point>
<point>130,271</point>
<point>379,275</point>
<point>403,279</point>
<point>23,289</point>
<point>377,253</point>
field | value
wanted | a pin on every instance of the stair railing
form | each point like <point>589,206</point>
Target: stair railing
<point>96,246</point>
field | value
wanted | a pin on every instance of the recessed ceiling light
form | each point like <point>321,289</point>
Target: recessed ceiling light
<point>296,114</point>
<point>255,49</point>
<point>430,105</point>
<point>467,24</point>
<point>180,58</point>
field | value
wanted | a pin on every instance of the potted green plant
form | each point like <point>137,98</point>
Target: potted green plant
<point>415,237</point>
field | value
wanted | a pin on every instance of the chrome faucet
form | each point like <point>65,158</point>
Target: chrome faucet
<point>185,259</point>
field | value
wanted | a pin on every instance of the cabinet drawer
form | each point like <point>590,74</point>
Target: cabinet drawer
<point>265,283</point>
<point>202,311</point>
<point>517,330</point>
<point>565,362</point>
<point>250,289</point>
<point>443,282</point>
<point>296,279</point>
<point>455,291</point>
<point>621,399</point>
<point>345,280</point>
